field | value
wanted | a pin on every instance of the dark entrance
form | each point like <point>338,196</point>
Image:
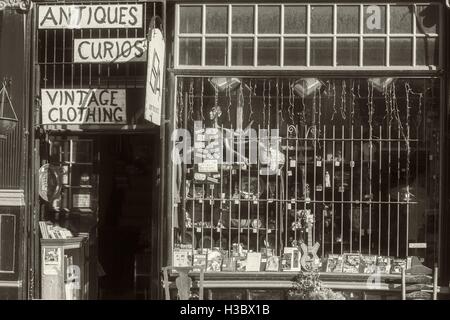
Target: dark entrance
<point>128,211</point>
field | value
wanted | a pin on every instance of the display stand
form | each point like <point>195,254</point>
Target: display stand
<point>65,268</point>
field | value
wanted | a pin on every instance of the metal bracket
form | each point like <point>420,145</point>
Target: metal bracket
<point>21,5</point>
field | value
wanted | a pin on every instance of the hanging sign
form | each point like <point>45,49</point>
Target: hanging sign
<point>155,74</point>
<point>109,50</point>
<point>90,16</point>
<point>83,106</point>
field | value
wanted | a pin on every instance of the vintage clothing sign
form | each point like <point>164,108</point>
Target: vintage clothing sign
<point>90,16</point>
<point>83,106</point>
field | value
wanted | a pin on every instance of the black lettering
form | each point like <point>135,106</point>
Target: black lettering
<point>93,99</point>
<point>134,19</point>
<point>69,96</point>
<point>122,15</point>
<point>140,49</point>
<point>61,116</point>
<point>108,113</point>
<point>103,18</point>
<point>90,114</point>
<point>52,99</point>
<point>96,54</point>
<point>117,118</point>
<point>110,20</point>
<point>49,16</point>
<point>126,49</point>
<point>72,117</point>
<point>50,114</point>
<point>81,112</point>
<point>107,47</point>
<point>113,98</point>
<point>90,15</point>
<point>66,15</point>
<point>103,101</point>
<point>80,13</point>
<point>80,50</point>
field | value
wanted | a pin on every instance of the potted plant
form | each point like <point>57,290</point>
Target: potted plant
<point>308,286</point>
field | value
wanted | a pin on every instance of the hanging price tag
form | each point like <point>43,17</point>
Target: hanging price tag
<point>319,163</point>
<point>198,229</point>
<point>269,230</point>
<point>289,173</point>
<point>255,230</point>
<point>236,201</point>
<point>337,163</point>
<point>289,206</point>
<point>293,201</point>
<point>352,164</point>
<point>200,201</point>
<point>211,202</point>
<point>292,163</point>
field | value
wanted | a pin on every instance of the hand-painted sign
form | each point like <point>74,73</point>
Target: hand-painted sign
<point>109,50</point>
<point>50,182</point>
<point>90,16</point>
<point>83,106</point>
<point>155,76</point>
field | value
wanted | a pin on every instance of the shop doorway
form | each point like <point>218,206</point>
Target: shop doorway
<point>128,216</point>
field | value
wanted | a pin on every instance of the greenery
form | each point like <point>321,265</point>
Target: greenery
<point>308,286</point>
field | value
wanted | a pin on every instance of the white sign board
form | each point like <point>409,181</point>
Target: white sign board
<point>155,77</point>
<point>83,106</point>
<point>109,50</point>
<point>90,16</point>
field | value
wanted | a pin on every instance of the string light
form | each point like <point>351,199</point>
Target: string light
<point>250,102</point>
<point>334,101</point>
<point>191,99</point>
<point>344,100</point>
<point>201,100</point>
<point>352,113</point>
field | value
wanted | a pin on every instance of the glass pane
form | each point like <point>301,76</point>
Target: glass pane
<point>242,52</point>
<point>216,51</point>
<point>348,19</point>
<point>374,19</point>
<point>374,52</point>
<point>427,19</point>
<point>401,52</point>
<point>269,19</point>
<point>401,19</point>
<point>190,19</point>
<point>321,52</point>
<point>294,19</point>
<point>427,52</point>
<point>294,51</point>
<point>190,51</point>
<point>243,19</point>
<point>216,19</point>
<point>347,51</point>
<point>269,51</point>
<point>321,19</point>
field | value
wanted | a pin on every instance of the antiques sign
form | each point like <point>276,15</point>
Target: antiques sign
<point>109,50</point>
<point>83,106</point>
<point>90,16</point>
<point>155,73</point>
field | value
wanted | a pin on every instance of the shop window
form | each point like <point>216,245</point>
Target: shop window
<point>216,51</point>
<point>266,36</point>
<point>190,19</point>
<point>352,164</point>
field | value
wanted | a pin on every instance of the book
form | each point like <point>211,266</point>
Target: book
<point>182,258</point>
<point>368,264</point>
<point>199,260</point>
<point>397,265</point>
<point>286,261</point>
<point>351,263</point>
<point>383,264</point>
<point>334,263</point>
<point>253,262</point>
<point>273,263</point>
<point>294,254</point>
<point>214,261</point>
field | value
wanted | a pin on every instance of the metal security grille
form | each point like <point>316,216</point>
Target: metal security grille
<point>360,156</point>
<point>55,53</point>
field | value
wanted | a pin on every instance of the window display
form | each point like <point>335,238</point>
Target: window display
<point>339,170</point>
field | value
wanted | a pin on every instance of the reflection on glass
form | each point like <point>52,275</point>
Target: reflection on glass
<point>321,19</point>
<point>401,19</point>
<point>348,19</point>
<point>401,52</point>
<point>374,52</point>
<point>242,52</point>
<point>294,51</point>
<point>269,19</point>
<point>269,51</point>
<point>374,19</point>
<point>190,19</point>
<point>427,52</point>
<point>347,51</point>
<point>294,19</point>
<point>427,19</point>
<point>216,51</point>
<point>243,19</point>
<point>321,52</point>
<point>190,51</point>
<point>216,19</point>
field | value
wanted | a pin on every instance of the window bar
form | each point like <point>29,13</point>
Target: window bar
<point>342,187</point>
<point>249,200</point>
<point>297,137</point>
<point>398,186</point>
<point>54,58</point>
<point>45,59</point>
<point>324,187</point>
<point>222,199</point>
<point>352,164</point>
<point>370,168</point>
<point>313,189</point>
<point>81,65</point>
<point>288,201</point>
<point>361,186</point>
<point>258,182</point>
<point>408,151</point>
<point>99,65</point>
<point>90,64</point>
<point>63,57</point>
<point>389,189</point>
<point>230,206</point>
<point>379,187</point>
<point>332,188</point>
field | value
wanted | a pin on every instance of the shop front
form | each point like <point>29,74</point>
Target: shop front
<point>307,137</point>
<point>97,158</point>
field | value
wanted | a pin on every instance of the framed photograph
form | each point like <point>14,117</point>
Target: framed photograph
<point>182,258</point>
<point>52,256</point>
<point>273,263</point>
<point>214,262</point>
<point>351,263</point>
<point>368,264</point>
<point>334,263</point>
<point>253,261</point>
<point>292,253</point>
